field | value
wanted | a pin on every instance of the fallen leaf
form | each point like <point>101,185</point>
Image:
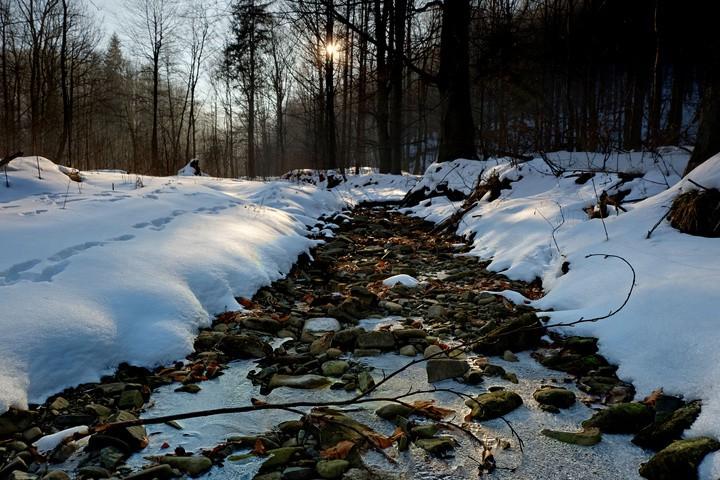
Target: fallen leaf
<point>259,448</point>
<point>430,410</point>
<point>339,451</point>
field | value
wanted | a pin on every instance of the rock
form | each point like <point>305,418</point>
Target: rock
<point>582,345</point>
<point>160,472</point>
<point>368,300</point>
<point>101,411</point>
<point>298,381</point>
<point>393,410</point>
<point>347,337</point>
<point>17,464</point>
<point>92,471</point>
<point>321,345</point>
<point>443,368</point>
<point>509,356</point>
<point>205,341</point>
<point>516,334</point>
<point>660,434</point>
<point>333,353</point>
<point>262,324</point>
<point>436,312</point>
<point>404,334</point>
<point>332,468</point>
<point>381,340</point>
<point>73,420</point>
<point>408,351</point>
<point>621,418</point>
<point>556,396</point>
<point>133,438</point>
<point>493,404</point>
<point>32,434</point>
<point>56,475</point>
<point>494,371</point>
<point>298,473</point>
<point>244,346</point>
<point>59,404</point>
<point>15,420</point>
<point>367,352</point>
<point>111,457</point>
<point>473,376</point>
<point>438,446</point>
<point>189,388</point>
<point>434,351</point>
<point>130,399</point>
<point>279,457</point>
<point>268,476</point>
<point>334,368</point>
<point>321,325</point>
<point>679,460</point>
<point>586,438</point>
<point>391,307</point>
<point>365,381</point>
<point>192,465</point>
<point>424,431</point>
<point>18,475</point>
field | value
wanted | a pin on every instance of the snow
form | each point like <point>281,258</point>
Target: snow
<point>666,336</point>
<point>402,279</point>
<point>49,442</point>
<point>97,273</point>
<point>321,325</point>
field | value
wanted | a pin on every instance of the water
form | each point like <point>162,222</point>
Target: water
<point>543,458</point>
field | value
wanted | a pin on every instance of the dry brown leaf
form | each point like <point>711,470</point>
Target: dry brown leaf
<point>429,409</point>
<point>259,448</point>
<point>339,451</point>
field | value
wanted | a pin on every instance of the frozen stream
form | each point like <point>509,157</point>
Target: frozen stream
<point>614,458</point>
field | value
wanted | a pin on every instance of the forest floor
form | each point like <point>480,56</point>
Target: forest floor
<point>480,388</point>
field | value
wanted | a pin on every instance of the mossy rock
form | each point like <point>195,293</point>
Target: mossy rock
<point>582,345</point>
<point>554,396</point>
<point>493,404</point>
<point>586,438</point>
<point>659,435</point>
<point>393,410</point>
<point>574,363</point>
<point>517,334</point>
<point>437,446</point>
<point>679,460</point>
<point>621,418</point>
<point>279,457</point>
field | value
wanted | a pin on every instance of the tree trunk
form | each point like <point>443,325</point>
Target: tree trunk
<point>382,94</point>
<point>708,138</point>
<point>457,134</point>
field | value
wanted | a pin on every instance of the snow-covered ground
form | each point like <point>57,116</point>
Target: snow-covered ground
<point>667,335</point>
<point>121,268</point>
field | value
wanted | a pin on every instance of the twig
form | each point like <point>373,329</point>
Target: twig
<point>602,217</point>
<point>697,184</point>
<point>665,215</point>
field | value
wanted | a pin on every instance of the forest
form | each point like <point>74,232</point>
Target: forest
<point>257,88</point>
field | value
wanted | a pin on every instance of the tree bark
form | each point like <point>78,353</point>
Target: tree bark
<point>457,134</point>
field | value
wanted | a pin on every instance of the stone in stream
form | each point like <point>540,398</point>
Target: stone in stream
<point>408,351</point>
<point>262,324</point>
<point>59,404</point>
<point>347,337</point>
<point>193,465</point>
<point>298,381</point>
<point>14,421</point>
<point>424,431</point>
<point>279,457</point>
<point>57,475</point>
<point>586,438</point>
<point>621,418</point>
<point>444,368</point>
<point>406,334</point>
<point>380,339</point>
<point>321,325</point>
<point>555,396</point>
<point>493,404</point>
<point>393,410</point>
<point>322,344</point>
<point>244,346</point>
<point>663,432</point>
<point>365,381</point>
<point>334,368</point>
<point>161,472</point>
<point>332,468</point>
<point>130,399</point>
<point>516,334</point>
<point>189,388</point>
<point>436,312</point>
<point>679,460</point>
<point>438,446</point>
<point>131,438</point>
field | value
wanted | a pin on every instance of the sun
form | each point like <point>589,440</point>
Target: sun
<point>332,49</point>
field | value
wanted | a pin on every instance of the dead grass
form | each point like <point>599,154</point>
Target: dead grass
<point>697,213</point>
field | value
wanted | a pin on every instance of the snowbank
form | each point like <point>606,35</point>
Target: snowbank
<point>121,268</point>
<point>667,335</point>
